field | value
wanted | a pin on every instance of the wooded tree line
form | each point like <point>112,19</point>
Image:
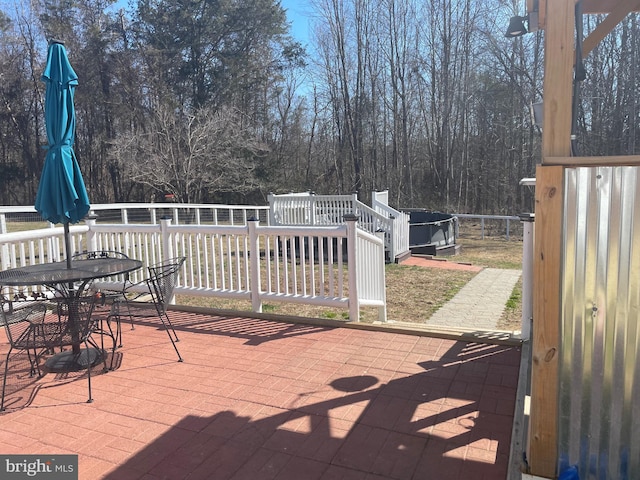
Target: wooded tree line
<point>214,101</point>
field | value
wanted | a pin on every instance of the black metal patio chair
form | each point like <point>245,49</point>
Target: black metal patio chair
<point>78,329</point>
<point>107,295</point>
<point>152,298</point>
<point>23,324</point>
<point>98,254</point>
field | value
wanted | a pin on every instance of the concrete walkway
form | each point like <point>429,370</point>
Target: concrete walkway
<point>480,303</point>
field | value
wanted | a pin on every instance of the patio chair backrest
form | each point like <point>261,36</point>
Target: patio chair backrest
<point>100,254</point>
<point>88,323</point>
<point>162,281</point>
<point>23,325</point>
<point>90,255</point>
<point>21,322</point>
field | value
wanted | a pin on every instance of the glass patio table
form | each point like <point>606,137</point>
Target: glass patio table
<point>70,281</point>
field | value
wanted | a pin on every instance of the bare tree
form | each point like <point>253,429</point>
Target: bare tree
<point>192,156</point>
<point>21,109</point>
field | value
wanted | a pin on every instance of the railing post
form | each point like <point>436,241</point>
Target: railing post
<point>125,216</point>
<point>92,239</point>
<point>153,216</point>
<point>351,220</point>
<point>254,261</point>
<point>313,209</point>
<point>528,224</point>
<point>3,223</point>
<point>271,200</point>
<point>507,229</point>
<point>382,311</point>
<point>381,234</point>
<point>167,248</point>
<point>392,238</point>
<point>4,256</point>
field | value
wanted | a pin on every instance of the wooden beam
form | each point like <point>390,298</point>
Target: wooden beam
<point>558,79</point>
<point>588,7</point>
<point>611,161</point>
<point>599,6</point>
<point>621,10</point>
<point>543,441</point>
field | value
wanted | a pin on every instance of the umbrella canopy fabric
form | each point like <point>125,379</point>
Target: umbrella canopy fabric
<point>62,196</point>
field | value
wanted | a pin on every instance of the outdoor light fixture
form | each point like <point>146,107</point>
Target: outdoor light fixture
<point>516,26</point>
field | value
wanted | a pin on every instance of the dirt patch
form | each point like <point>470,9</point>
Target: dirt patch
<point>444,264</point>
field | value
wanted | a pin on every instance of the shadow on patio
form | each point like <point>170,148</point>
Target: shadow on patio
<point>261,399</point>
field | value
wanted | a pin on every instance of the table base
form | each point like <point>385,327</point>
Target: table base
<point>73,362</point>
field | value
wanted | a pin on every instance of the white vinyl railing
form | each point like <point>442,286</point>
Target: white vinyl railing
<point>143,213</point>
<point>37,246</point>
<point>32,247</point>
<point>334,266</point>
<point>311,209</point>
<point>398,230</point>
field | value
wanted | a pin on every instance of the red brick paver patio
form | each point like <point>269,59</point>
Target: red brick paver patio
<point>260,399</point>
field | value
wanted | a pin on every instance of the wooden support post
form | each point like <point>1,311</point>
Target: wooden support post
<point>556,141</point>
<point>559,54</point>
<point>543,442</point>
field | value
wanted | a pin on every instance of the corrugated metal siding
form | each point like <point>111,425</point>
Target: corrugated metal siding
<point>599,391</point>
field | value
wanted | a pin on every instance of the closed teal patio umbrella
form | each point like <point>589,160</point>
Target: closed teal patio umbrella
<point>62,196</point>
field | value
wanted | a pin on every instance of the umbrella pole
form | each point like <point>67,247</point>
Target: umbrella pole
<point>67,244</point>
<point>73,295</point>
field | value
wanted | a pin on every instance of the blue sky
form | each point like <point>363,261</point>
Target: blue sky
<point>298,13</point>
